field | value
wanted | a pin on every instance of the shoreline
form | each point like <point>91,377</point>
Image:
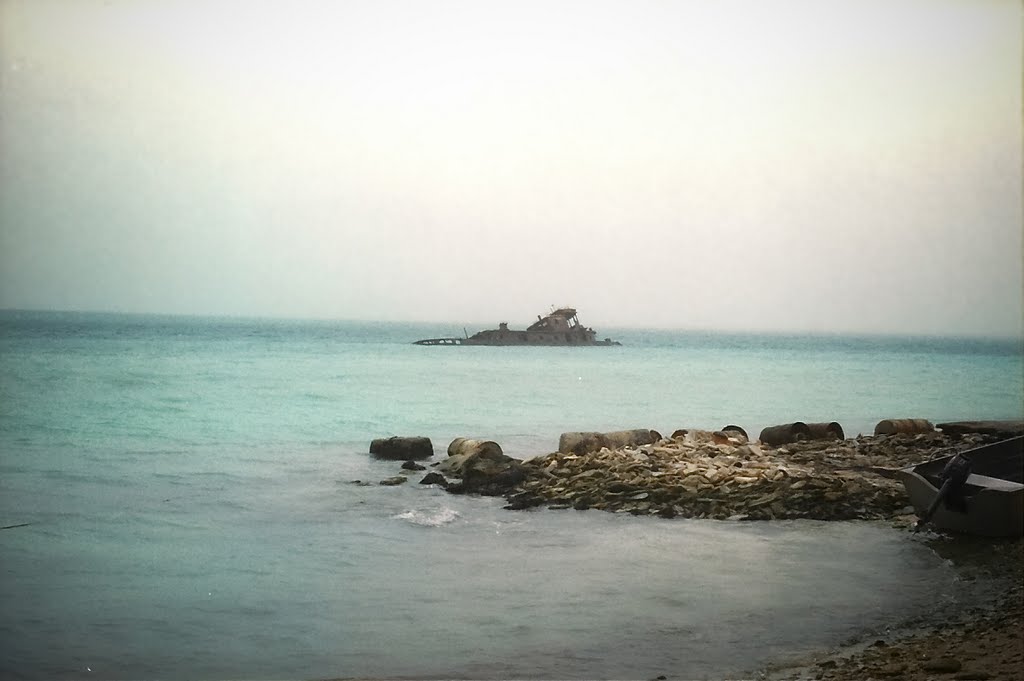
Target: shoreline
<point>839,480</point>
<point>715,475</point>
<point>981,643</point>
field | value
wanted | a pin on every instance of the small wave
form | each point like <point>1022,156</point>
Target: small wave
<point>429,518</point>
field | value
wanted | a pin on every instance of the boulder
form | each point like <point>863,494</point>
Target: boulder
<point>482,467</point>
<point>413,466</point>
<point>396,480</point>
<point>402,448</point>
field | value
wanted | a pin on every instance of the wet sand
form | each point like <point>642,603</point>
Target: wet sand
<point>983,642</point>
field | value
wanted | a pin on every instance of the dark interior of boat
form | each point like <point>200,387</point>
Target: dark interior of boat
<point>1003,460</point>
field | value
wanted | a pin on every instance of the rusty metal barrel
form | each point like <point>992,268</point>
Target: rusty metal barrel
<point>474,454</point>
<point>906,426</point>
<point>695,435</point>
<point>580,442</point>
<point>726,437</point>
<point>630,438</point>
<point>583,442</point>
<point>787,432</point>
<point>462,445</point>
<point>736,429</point>
<point>826,431</point>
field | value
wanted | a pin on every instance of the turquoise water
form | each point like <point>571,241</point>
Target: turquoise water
<point>188,487</point>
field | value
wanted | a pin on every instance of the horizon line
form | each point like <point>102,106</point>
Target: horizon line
<point>449,322</point>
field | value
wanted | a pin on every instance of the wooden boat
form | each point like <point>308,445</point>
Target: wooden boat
<point>560,327</point>
<point>980,491</point>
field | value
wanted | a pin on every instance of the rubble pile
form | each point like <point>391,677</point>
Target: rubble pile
<point>702,474</point>
<point>696,476</point>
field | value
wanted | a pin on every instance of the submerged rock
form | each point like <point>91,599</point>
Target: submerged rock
<point>434,479</point>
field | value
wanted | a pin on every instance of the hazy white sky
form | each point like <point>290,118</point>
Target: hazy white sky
<point>818,165</point>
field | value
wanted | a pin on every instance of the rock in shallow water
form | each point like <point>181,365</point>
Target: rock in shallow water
<point>482,467</point>
<point>402,448</point>
<point>434,479</point>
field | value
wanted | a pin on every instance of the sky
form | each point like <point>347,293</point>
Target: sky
<point>819,166</point>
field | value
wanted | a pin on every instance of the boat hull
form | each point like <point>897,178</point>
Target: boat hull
<point>991,502</point>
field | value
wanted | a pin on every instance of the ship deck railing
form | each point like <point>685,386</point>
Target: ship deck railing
<point>440,341</point>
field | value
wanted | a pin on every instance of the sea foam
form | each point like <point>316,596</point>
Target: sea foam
<point>429,518</point>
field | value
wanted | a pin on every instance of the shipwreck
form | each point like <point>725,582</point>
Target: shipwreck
<point>560,327</point>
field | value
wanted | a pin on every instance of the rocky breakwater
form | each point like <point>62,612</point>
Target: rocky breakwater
<point>696,477</point>
<point>701,474</point>
<point>698,474</point>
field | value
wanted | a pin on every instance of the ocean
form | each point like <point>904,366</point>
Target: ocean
<point>184,496</point>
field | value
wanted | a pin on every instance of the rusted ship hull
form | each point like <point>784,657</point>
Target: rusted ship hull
<point>524,341</point>
<point>560,328</point>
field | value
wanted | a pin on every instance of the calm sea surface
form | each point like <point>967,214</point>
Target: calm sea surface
<point>187,484</point>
